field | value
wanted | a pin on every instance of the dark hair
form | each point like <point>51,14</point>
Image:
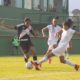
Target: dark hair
<point>66,24</point>
<point>70,22</point>
<point>27,19</point>
<point>57,17</point>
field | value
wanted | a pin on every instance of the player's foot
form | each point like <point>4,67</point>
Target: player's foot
<point>36,65</point>
<point>77,67</point>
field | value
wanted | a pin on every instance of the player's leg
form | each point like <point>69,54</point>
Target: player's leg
<point>50,50</point>
<point>24,49</point>
<point>53,52</point>
<point>33,51</point>
<point>25,53</point>
<point>62,60</point>
<point>26,56</point>
<point>59,51</point>
<point>46,57</point>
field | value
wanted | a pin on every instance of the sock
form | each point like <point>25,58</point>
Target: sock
<point>69,63</point>
<point>44,59</point>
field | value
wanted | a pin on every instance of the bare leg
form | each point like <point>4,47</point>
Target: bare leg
<point>62,60</point>
<point>25,54</point>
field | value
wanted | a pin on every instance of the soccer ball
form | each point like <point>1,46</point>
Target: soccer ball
<point>29,65</point>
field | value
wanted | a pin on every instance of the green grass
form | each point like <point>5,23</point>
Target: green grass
<point>13,68</point>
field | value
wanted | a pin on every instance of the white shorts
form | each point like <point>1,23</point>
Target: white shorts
<point>59,51</point>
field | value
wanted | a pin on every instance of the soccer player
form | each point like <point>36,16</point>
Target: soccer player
<point>66,36</point>
<point>53,28</point>
<point>24,31</point>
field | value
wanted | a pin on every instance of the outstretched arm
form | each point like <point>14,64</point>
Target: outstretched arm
<point>43,31</point>
<point>58,34</point>
<point>33,33</point>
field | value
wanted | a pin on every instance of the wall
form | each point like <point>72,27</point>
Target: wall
<point>6,47</point>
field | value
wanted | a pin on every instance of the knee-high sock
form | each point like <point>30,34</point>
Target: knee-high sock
<point>69,63</point>
<point>44,59</point>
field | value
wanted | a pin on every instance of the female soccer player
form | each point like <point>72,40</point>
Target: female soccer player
<point>52,29</point>
<point>24,31</point>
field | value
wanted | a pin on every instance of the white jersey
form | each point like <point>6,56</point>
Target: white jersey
<point>65,39</point>
<point>52,39</point>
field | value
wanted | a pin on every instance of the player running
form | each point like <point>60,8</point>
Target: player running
<point>53,28</point>
<point>24,31</point>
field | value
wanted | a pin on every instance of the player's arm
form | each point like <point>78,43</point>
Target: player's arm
<point>44,30</point>
<point>35,34</point>
<point>59,33</point>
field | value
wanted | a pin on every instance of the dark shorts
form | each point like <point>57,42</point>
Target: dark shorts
<point>25,45</point>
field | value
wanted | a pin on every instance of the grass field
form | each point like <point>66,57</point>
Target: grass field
<point>13,68</point>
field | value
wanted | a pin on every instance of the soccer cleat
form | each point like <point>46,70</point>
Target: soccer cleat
<point>36,65</point>
<point>77,67</point>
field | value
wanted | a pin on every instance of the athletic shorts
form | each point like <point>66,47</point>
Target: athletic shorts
<point>59,51</point>
<point>25,45</point>
<point>51,42</point>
